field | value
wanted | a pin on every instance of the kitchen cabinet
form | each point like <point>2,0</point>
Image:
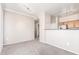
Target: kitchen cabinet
<point>70,24</point>
<point>76,23</point>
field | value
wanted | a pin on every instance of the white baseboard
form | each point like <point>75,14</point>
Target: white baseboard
<point>16,42</point>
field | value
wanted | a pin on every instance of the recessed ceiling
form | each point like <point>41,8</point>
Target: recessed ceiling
<point>36,8</point>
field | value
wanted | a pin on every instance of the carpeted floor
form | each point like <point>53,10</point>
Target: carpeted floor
<point>33,47</point>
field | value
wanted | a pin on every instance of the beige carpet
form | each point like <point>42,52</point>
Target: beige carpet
<point>33,48</point>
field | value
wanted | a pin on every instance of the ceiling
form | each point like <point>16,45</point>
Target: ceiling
<point>35,8</point>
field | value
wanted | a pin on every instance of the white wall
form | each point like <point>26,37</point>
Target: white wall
<point>44,21</point>
<point>42,26</point>
<point>47,21</point>
<point>1,28</point>
<point>17,28</point>
<point>51,21</point>
<point>65,39</point>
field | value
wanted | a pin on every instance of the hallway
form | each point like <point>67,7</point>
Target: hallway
<point>33,47</point>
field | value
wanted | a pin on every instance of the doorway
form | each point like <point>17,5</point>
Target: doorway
<point>37,29</point>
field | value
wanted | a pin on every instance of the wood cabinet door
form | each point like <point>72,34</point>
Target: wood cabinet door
<point>70,24</point>
<point>76,23</point>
